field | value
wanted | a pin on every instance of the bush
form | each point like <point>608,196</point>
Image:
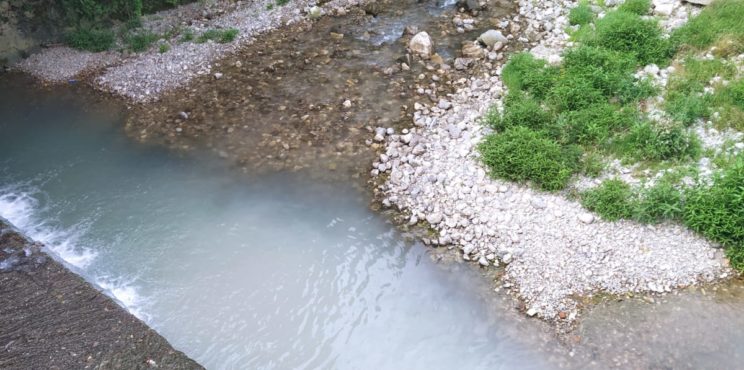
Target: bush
<point>581,15</point>
<point>640,7</point>
<point>629,33</point>
<point>612,200</point>
<point>521,154</point>
<point>718,212</point>
<point>525,73</point>
<point>91,39</point>
<point>658,203</point>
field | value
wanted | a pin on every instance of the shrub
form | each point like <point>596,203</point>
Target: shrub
<point>91,39</point>
<point>581,15</point>
<point>640,7</point>
<point>521,154</point>
<point>612,200</point>
<point>718,212</point>
<point>629,33</point>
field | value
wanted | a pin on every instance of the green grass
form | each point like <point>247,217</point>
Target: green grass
<point>629,33</point>
<point>640,7</point>
<point>581,15</point>
<point>718,24</point>
<point>613,200</point>
<point>218,35</point>
<point>94,40</point>
<point>717,212</point>
<point>520,154</point>
<point>141,41</point>
<point>163,48</point>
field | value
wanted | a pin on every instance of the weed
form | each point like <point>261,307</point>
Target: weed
<point>95,40</point>
<point>720,21</point>
<point>220,36</point>
<point>629,33</point>
<point>163,48</point>
<point>525,73</point>
<point>520,110</point>
<point>613,200</point>
<point>717,212</point>
<point>521,154</point>
<point>581,15</point>
<point>139,42</point>
<point>640,7</point>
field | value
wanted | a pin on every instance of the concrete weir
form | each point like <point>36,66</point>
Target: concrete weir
<point>50,318</point>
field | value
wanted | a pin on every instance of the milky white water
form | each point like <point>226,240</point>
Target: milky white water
<point>238,272</point>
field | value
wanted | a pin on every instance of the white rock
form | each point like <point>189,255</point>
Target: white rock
<point>421,44</point>
<point>586,218</point>
<point>491,37</point>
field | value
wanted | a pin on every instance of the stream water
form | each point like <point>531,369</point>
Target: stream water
<point>267,273</point>
<point>287,271</point>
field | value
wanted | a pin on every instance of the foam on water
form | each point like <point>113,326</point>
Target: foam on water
<point>22,208</point>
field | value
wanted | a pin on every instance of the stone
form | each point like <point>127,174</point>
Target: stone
<point>347,104</point>
<point>472,50</point>
<point>491,37</point>
<point>217,75</point>
<point>586,218</point>
<point>443,104</point>
<point>421,44</point>
<point>434,218</point>
<point>183,115</point>
<point>314,12</point>
<point>463,63</point>
<point>531,312</point>
<point>699,2</point>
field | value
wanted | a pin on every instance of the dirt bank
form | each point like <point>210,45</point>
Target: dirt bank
<point>53,319</point>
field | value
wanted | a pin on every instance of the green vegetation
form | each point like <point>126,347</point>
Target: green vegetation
<point>141,41</point>
<point>220,36</point>
<point>717,212</point>
<point>163,48</point>
<point>640,7</point>
<point>718,24</point>
<point>581,15</point>
<point>90,39</point>
<point>89,22</point>
<point>559,121</point>
<point>521,154</point>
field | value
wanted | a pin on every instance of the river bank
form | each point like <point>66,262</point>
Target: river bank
<point>53,319</point>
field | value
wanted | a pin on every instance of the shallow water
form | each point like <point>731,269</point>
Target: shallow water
<point>276,272</point>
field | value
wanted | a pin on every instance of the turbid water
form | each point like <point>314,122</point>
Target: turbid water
<point>285,271</point>
<point>274,272</point>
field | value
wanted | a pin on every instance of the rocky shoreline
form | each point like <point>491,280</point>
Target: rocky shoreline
<point>53,319</point>
<point>553,250</point>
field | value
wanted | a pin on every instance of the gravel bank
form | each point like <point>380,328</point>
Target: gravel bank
<point>554,250</point>
<point>150,74</point>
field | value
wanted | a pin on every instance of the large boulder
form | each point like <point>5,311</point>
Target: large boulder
<point>421,44</point>
<point>491,37</point>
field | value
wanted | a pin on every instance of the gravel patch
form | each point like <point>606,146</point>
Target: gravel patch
<point>62,64</point>
<point>554,249</point>
<point>146,77</point>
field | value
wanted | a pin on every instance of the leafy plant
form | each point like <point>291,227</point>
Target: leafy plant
<point>95,40</point>
<point>640,7</point>
<point>612,200</point>
<point>629,33</point>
